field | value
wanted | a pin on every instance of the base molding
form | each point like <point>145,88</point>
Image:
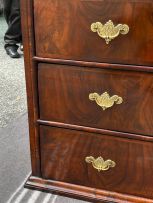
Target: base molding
<point>81,192</point>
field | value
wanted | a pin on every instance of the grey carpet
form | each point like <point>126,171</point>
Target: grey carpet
<point>14,157</point>
<point>29,196</point>
<point>12,84</point>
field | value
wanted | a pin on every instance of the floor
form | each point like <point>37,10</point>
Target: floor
<point>14,142</point>
<point>12,84</point>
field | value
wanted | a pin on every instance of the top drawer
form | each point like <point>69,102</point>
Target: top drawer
<point>63,30</point>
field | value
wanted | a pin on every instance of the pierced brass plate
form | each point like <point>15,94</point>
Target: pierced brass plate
<point>104,100</point>
<point>100,164</point>
<point>109,31</point>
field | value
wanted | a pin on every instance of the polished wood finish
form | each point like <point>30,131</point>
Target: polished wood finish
<point>94,64</point>
<point>82,192</point>
<point>64,97</point>
<point>66,32</point>
<point>64,62</point>
<point>95,130</point>
<point>63,155</point>
<point>31,83</point>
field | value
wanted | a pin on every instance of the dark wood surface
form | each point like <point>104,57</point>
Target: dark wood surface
<point>58,32</point>
<point>82,192</point>
<point>88,64</point>
<point>31,82</point>
<point>64,97</point>
<point>95,130</point>
<point>63,155</point>
<point>63,28</point>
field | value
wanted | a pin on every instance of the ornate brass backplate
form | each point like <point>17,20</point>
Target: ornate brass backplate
<point>109,31</point>
<point>104,100</point>
<point>100,164</point>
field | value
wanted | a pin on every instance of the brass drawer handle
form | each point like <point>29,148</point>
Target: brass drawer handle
<point>100,164</point>
<point>104,100</point>
<point>109,31</point>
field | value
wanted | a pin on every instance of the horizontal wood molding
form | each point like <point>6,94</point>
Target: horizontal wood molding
<point>95,130</point>
<point>77,191</point>
<point>94,64</point>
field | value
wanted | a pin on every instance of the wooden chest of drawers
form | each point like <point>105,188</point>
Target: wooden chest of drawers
<point>89,76</point>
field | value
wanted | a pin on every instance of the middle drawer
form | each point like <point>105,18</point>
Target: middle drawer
<point>99,98</point>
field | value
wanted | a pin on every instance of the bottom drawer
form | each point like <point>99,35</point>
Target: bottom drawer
<point>127,166</point>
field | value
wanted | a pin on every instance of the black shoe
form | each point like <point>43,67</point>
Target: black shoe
<point>12,51</point>
<point>21,47</point>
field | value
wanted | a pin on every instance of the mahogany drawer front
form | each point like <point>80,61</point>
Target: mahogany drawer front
<point>63,30</point>
<point>63,158</point>
<point>64,97</point>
